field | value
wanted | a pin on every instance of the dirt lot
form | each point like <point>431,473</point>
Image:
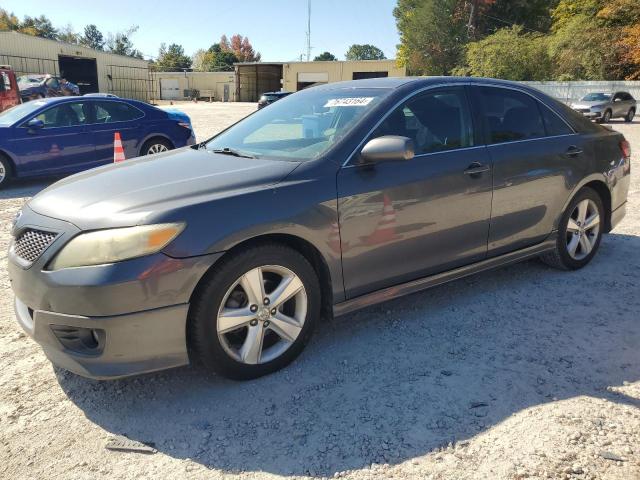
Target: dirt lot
<point>523,372</point>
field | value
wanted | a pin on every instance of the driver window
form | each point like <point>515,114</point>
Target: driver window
<point>436,122</point>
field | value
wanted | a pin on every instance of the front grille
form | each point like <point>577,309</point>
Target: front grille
<point>31,243</point>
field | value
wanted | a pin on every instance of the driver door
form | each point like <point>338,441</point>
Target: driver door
<point>403,220</point>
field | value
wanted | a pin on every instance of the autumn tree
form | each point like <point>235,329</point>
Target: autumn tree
<point>241,47</point>
<point>325,57</point>
<point>364,52</point>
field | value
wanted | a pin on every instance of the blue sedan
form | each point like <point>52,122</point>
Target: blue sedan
<point>58,136</point>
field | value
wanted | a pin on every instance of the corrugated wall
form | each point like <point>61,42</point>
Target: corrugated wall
<point>124,76</point>
<point>567,91</point>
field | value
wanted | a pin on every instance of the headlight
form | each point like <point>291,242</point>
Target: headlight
<point>114,245</point>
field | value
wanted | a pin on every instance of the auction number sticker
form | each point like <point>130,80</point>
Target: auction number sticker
<point>349,102</point>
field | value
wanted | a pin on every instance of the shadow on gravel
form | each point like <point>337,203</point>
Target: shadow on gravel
<point>399,380</point>
<point>25,188</point>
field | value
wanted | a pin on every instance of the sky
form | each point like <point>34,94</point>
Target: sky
<point>276,28</point>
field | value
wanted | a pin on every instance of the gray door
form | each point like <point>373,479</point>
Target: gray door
<point>404,220</point>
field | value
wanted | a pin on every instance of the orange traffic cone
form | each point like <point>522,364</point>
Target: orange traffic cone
<point>118,151</point>
<point>386,229</point>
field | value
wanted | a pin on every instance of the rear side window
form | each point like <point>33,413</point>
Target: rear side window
<point>553,123</point>
<point>64,115</point>
<point>510,115</point>
<point>109,112</point>
<point>435,121</point>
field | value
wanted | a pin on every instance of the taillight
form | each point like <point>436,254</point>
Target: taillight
<point>625,146</point>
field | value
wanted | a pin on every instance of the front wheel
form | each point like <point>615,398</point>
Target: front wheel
<point>630,114</point>
<point>579,232</point>
<point>606,118</point>
<point>255,312</point>
<point>5,172</point>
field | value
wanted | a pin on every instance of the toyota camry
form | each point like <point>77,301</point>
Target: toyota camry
<point>332,199</point>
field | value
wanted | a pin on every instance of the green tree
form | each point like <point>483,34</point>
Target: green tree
<point>172,59</point>
<point>68,35</point>
<point>433,34</point>
<point>364,52</point>
<point>120,43</point>
<point>92,38</point>
<point>218,59</point>
<point>325,57</point>
<point>511,54</point>
<point>533,15</point>
<point>39,27</point>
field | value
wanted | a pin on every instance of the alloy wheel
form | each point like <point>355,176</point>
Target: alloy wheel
<point>157,148</point>
<point>583,229</point>
<point>262,314</point>
<point>3,173</point>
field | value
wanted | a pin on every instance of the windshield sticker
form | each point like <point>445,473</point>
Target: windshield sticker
<point>349,102</point>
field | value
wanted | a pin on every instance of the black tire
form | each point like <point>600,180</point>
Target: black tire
<point>630,115</point>
<point>559,257</point>
<point>204,343</point>
<point>6,171</point>
<point>149,144</point>
<point>606,118</point>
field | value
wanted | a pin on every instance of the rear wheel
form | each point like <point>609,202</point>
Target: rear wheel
<point>6,171</point>
<point>630,115</point>
<point>255,313</point>
<point>156,145</point>
<point>579,232</point>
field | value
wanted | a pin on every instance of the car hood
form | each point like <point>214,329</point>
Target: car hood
<point>146,189</point>
<point>583,104</point>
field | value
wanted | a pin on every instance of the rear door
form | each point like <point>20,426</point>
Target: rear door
<point>536,158</point>
<point>61,146</point>
<point>111,116</point>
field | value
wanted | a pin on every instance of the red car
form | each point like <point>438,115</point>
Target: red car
<point>9,93</point>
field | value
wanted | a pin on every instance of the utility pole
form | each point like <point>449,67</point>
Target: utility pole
<point>309,31</point>
<point>473,15</point>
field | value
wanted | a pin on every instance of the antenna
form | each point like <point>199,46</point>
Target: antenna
<point>309,31</point>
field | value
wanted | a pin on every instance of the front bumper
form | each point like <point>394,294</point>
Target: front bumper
<point>105,321</point>
<point>124,344</point>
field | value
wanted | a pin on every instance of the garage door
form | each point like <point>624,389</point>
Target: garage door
<point>169,89</point>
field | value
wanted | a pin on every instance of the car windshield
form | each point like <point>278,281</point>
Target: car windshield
<point>301,126</point>
<point>596,97</point>
<point>15,114</point>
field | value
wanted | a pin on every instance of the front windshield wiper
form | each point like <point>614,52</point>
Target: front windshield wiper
<point>233,152</point>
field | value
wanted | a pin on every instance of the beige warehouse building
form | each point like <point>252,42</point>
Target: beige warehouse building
<point>251,80</point>
<point>92,70</point>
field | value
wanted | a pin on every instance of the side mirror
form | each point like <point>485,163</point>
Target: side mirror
<point>387,148</point>
<point>35,124</point>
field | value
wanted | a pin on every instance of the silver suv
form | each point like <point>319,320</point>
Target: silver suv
<point>602,107</point>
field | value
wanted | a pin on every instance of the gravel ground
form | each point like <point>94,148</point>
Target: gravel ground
<point>523,372</point>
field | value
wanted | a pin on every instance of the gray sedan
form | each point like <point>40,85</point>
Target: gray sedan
<point>332,199</point>
<point>602,107</point>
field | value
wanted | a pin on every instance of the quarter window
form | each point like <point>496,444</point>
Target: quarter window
<point>436,121</point>
<point>5,82</point>
<point>553,123</point>
<point>108,112</point>
<point>64,115</point>
<point>510,115</point>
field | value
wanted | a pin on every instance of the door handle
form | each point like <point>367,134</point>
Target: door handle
<point>476,169</point>
<point>573,151</point>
